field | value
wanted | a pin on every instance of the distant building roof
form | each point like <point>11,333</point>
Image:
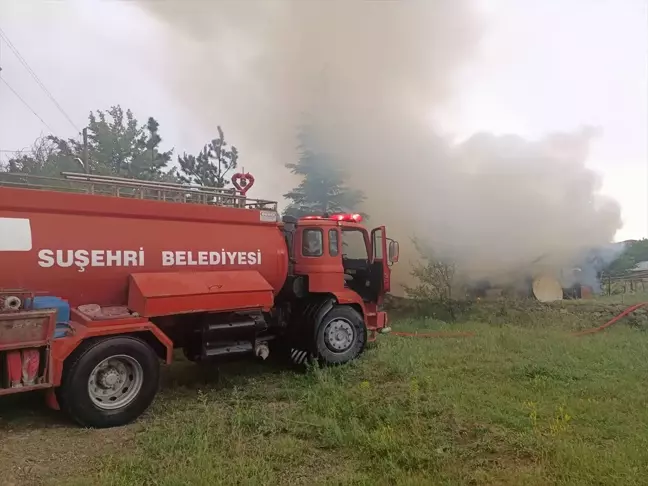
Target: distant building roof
<point>641,267</point>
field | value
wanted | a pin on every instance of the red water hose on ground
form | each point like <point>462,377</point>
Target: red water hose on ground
<point>629,310</point>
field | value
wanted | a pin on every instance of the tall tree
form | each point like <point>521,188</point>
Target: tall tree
<point>211,166</point>
<point>322,189</point>
<point>119,146</point>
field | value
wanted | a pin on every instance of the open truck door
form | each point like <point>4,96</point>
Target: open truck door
<point>381,273</point>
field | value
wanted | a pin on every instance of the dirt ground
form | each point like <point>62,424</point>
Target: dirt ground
<point>38,446</point>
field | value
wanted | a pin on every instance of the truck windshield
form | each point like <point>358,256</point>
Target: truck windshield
<point>353,245</point>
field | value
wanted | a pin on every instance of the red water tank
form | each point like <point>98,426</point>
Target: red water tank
<point>83,247</point>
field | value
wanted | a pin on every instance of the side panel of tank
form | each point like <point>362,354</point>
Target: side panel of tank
<point>87,259</point>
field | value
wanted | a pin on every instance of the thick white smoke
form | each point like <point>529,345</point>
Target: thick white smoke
<point>366,76</point>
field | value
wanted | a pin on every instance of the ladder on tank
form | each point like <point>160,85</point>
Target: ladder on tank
<point>136,189</point>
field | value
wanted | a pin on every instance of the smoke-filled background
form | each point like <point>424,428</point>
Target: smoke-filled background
<point>366,76</point>
<point>375,81</point>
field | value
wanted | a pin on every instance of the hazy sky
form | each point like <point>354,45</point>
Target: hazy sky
<point>541,66</point>
<point>557,64</point>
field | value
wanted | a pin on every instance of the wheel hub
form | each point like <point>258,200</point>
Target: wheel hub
<point>115,382</point>
<point>109,378</point>
<point>339,335</point>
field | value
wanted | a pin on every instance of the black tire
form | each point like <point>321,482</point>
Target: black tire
<point>348,319</point>
<point>75,398</point>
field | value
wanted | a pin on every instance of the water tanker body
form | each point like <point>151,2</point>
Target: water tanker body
<point>101,278</point>
<point>85,247</point>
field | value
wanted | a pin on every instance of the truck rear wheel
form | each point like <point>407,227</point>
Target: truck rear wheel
<point>109,382</point>
<point>341,335</point>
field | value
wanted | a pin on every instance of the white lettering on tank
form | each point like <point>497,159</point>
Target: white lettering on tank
<point>46,258</point>
<point>130,258</point>
<point>203,258</point>
<point>167,258</point>
<point>97,258</point>
<point>82,259</point>
<point>65,262</point>
<point>90,258</point>
<point>113,258</point>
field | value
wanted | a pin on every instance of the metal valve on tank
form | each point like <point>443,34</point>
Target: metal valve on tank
<point>262,351</point>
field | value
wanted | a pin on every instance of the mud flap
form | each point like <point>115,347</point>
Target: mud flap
<point>303,347</point>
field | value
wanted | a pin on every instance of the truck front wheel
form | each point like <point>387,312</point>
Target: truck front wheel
<point>109,382</point>
<point>341,335</point>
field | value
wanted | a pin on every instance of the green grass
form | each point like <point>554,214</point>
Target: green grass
<point>514,405</point>
<point>628,298</point>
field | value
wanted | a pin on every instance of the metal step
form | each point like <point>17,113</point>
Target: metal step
<point>214,350</point>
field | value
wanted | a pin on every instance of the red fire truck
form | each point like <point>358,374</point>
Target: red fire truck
<point>102,277</point>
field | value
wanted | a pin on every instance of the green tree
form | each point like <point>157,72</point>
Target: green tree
<point>119,146</point>
<point>211,166</point>
<point>322,189</point>
<point>633,253</point>
<point>44,158</point>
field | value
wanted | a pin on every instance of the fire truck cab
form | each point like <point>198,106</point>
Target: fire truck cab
<point>336,260</point>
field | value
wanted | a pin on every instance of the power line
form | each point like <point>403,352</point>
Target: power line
<point>19,151</point>
<point>22,60</point>
<point>26,104</point>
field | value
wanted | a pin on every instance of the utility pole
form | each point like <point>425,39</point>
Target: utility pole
<point>86,161</point>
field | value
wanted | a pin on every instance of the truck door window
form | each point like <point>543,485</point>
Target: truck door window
<point>355,261</point>
<point>353,245</point>
<point>377,246</point>
<point>312,243</point>
<point>334,249</point>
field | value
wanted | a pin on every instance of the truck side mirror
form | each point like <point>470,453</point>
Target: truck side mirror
<point>393,251</point>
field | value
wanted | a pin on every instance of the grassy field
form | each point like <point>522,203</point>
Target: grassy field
<point>520,403</point>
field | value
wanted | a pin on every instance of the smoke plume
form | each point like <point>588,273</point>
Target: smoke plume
<point>366,76</point>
